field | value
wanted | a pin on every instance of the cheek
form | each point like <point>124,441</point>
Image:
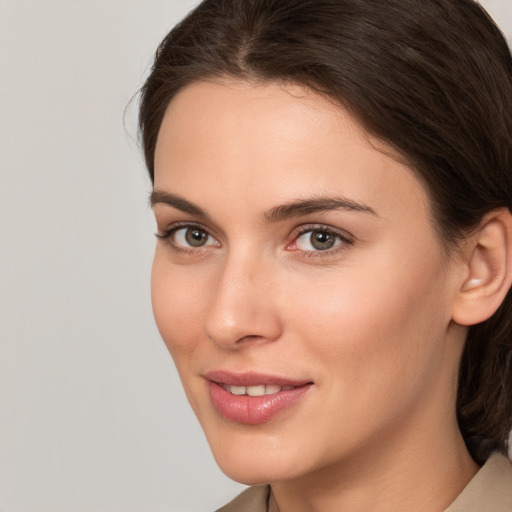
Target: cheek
<point>375,325</point>
<point>177,300</point>
<point>376,346</point>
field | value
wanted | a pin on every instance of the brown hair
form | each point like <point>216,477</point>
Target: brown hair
<point>432,79</point>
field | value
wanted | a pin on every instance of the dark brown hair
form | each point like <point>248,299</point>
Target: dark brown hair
<point>431,78</point>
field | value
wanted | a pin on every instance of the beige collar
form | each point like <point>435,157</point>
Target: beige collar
<point>490,490</point>
<point>253,499</point>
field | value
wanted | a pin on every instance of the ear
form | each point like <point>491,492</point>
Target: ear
<point>487,273</point>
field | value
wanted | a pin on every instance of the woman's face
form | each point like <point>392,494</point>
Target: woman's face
<point>298,282</point>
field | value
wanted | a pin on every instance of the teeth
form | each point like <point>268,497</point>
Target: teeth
<point>237,390</point>
<point>258,390</point>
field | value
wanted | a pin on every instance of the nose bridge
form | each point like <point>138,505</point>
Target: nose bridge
<point>242,307</point>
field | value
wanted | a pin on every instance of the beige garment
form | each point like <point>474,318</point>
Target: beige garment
<point>253,499</point>
<point>489,491</point>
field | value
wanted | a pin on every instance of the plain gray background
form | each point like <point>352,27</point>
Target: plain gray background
<point>92,415</point>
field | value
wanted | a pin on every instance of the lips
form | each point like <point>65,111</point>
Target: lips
<point>256,390</point>
<point>251,398</point>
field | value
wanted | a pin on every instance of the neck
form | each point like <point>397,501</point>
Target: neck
<point>392,475</point>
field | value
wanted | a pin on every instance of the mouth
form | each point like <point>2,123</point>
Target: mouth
<point>252,399</point>
<point>256,390</point>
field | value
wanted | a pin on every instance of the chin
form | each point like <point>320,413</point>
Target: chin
<point>248,475</point>
<point>249,471</point>
<point>257,457</point>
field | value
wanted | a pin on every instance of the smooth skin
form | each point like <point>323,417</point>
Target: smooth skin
<point>358,297</point>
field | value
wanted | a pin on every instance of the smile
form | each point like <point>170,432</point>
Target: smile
<point>257,390</point>
<point>253,399</point>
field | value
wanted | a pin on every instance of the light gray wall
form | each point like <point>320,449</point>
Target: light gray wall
<point>92,416</point>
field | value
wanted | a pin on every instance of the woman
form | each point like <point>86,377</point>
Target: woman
<point>332,190</point>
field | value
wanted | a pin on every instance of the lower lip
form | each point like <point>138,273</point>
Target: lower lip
<point>253,410</point>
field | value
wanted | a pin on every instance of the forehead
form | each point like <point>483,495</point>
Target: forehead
<point>272,111</point>
<point>252,142</point>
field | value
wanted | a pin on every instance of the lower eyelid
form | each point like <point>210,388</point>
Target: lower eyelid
<point>327,254</point>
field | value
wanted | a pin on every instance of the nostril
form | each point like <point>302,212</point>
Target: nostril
<point>250,337</point>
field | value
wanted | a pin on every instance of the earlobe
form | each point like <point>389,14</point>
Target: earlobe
<point>488,269</point>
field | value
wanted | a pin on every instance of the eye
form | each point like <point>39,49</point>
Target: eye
<point>319,239</point>
<point>192,237</point>
<point>187,238</point>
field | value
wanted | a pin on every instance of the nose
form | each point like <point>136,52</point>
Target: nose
<point>243,305</point>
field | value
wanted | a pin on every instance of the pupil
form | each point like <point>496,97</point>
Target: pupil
<point>195,237</point>
<point>321,240</point>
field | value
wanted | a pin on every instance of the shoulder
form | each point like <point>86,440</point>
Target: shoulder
<point>490,490</point>
<point>253,499</point>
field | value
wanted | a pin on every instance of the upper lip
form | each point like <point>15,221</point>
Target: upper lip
<point>251,379</point>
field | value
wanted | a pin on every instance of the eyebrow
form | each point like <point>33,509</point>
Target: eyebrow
<point>279,213</point>
<point>315,205</point>
<point>158,197</point>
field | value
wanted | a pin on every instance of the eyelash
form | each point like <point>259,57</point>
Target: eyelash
<point>167,237</point>
<point>345,240</point>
